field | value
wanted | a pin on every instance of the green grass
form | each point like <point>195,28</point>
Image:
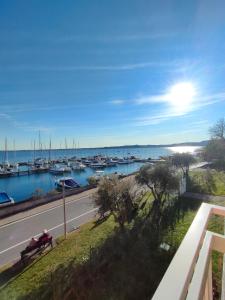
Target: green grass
<point>76,247</point>
<point>207,182</point>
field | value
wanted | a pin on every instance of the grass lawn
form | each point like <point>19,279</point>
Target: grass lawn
<point>128,273</point>
<point>207,182</point>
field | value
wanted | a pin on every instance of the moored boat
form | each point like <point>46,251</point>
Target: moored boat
<point>67,182</point>
<point>59,169</point>
<point>5,199</point>
<point>97,165</point>
<point>78,166</point>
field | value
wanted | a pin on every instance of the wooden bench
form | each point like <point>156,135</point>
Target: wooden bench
<point>40,245</point>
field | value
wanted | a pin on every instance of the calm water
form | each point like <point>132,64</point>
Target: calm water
<point>22,187</point>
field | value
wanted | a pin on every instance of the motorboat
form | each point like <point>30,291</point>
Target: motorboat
<point>5,172</point>
<point>59,169</point>
<point>40,161</point>
<point>38,168</point>
<point>67,182</point>
<point>97,165</point>
<point>123,162</point>
<point>5,199</point>
<point>78,166</point>
<point>110,162</point>
<point>87,162</point>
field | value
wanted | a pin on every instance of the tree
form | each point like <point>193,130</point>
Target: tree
<point>217,131</point>
<point>119,198</point>
<point>215,149</point>
<point>161,180</point>
<point>215,152</point>
<point>182,161</point>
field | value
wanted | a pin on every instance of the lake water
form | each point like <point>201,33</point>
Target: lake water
<point>22,187</point>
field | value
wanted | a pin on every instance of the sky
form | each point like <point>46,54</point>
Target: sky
<point>106,73</point>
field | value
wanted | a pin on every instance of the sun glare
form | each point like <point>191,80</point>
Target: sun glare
<point>182,94</point>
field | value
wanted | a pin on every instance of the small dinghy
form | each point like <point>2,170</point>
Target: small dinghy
<point>68,182</point>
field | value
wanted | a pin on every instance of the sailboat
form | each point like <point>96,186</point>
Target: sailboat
<point>5,170</point>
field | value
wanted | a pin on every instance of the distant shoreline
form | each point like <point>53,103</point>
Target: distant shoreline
<point>193,144</point>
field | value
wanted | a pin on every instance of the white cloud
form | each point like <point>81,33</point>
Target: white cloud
<point>117,37</point>
<point>117,102</point>
<point>122,67</point>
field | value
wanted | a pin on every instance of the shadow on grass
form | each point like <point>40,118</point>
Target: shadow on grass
<point>19,267</point>
<point>100,221</point>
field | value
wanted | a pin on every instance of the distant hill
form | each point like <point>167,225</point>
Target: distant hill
<point>202,143</point>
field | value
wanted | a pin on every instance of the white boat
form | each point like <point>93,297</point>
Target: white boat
<point>123,162</point>
<point>40,162</point>
<point>5,172</point>
<point>59,169</point>
<point>78,166</point>
<point>38,168</point>
<point>97,165</point>
<point>110,162</point>
<point>5,199</point>
<point>87,162</point>
<point>67,182</point>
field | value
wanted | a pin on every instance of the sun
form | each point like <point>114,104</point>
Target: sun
<point>181,94</point>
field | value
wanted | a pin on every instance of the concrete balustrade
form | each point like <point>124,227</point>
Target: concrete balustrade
<point>189,275</point>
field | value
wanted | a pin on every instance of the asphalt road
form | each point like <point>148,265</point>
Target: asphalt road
<point>15,236</point>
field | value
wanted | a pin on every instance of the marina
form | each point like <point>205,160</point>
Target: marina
<point>38,176</point>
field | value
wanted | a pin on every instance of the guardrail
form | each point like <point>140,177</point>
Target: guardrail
<point>189,275</point>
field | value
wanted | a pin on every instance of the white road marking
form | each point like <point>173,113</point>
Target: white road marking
<point>42,212</point>
<point>70,220</point>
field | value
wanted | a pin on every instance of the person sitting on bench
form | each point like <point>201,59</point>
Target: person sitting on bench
<point>32,244</point>
<point>44,237</point>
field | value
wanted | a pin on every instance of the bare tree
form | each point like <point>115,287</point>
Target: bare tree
<point>218,130</point>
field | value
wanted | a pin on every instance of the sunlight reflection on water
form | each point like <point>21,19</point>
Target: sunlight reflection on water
<point>183,149</point>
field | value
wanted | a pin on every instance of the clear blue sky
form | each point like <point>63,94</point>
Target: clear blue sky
<point>101,72</point>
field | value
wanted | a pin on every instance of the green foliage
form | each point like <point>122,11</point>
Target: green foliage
<point>160,179</point>
<point>182,161</point>
<point>92,180</point>
<point>207,182</point>
<point>117,197</point>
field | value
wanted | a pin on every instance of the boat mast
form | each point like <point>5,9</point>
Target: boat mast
<point>6,151</point>
<point>40,144</point>
<point>66,147</point>
<point>34,150</point>
<point>50,147</point>
<point>14,149</point>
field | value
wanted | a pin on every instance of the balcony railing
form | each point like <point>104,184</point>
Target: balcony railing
<point>189,275</point>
